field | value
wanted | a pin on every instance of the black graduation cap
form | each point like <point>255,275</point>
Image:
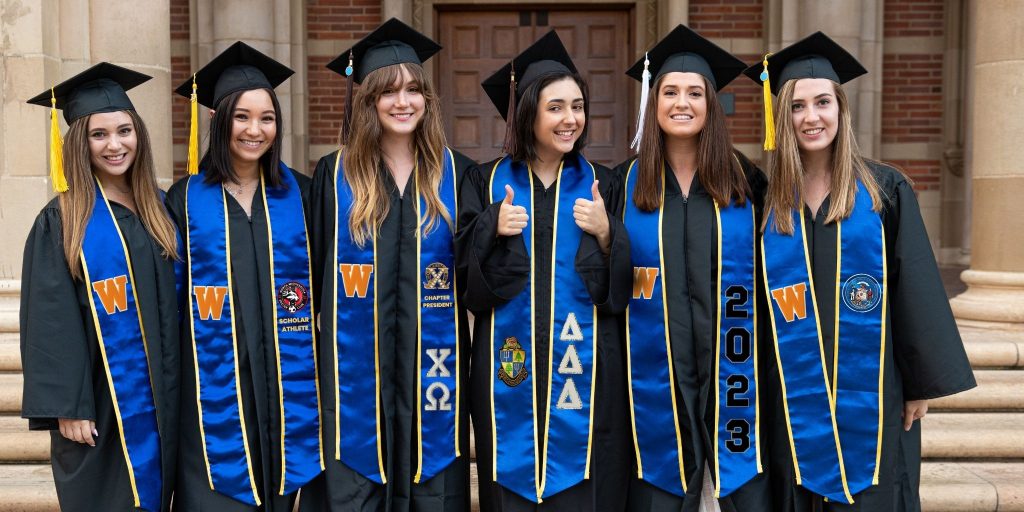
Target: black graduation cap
<point>686,51</point>
<point>100,88</point>
<point>546,55</point>
<point>815,56</point>
<point>238,68</point>
<point>391,43</point>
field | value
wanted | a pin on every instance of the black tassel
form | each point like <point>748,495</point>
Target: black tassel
<point>510,146</point>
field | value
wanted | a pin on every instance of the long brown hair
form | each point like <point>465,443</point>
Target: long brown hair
<point>786,171</point>
<point>77,203</point>
<point>717,168</point>
<point>363,161</point>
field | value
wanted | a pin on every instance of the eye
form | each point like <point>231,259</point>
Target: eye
<point>268,118</point>
<point>97,134</point>
<point>797,107</point>
<point>555,108</point>
<point>414,89</point>
<point>824,101</point>
<point>388,91</point>
<point>578,107</point>
<point>669,92</point>
<point>125,131</point>
<point>696,93</point>
<point>241,117</point>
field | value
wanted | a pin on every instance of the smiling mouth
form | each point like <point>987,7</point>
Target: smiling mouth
<point>813,131</point>
<point>402,117</point>
<point>116,159</point>
<point>250,143</point>
<point>681,117</point>
<point>565,134</point>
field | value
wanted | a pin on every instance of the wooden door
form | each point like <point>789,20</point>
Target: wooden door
<point>476,43</point>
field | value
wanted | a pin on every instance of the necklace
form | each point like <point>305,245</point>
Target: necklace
<point>239,189</point>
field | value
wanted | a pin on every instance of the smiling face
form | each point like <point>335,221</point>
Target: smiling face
<point>253,127</point>
<point>400,106</point>
<point>682,104</point>
<point>560,119</point>
<point>112,142</point>
<point>815,112</point>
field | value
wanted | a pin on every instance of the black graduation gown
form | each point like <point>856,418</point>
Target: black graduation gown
<point>398,272</point>
<point>250,278</point>
<point>63,367</point>
<point>690,248</point>
<point>495,269</point>
<point>925,357</point>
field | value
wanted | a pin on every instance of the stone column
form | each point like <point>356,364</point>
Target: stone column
<point>996,278</point>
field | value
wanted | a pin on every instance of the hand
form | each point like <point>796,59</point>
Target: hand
<point>593,218</point>
<point>913,410</point>
<point>79,431</point>
<point>511,218</point>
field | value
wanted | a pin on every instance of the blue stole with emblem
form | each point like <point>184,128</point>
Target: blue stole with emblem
<point>357,398</point>
<point>834,423</point>
<point>122,341</point>
<point>212,320</point>
<point>573,338</point>
<point>653,402</point>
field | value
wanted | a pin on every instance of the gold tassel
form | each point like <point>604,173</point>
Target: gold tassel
<point>769,115</point>
<point>57,178</point>
<point>193,132</point>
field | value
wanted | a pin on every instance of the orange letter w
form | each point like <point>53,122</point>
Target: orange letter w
<point>210,301</point>
<point>643,281</point>
<point>112,293</point>
<point>356,278</point>
<point>792,301</point>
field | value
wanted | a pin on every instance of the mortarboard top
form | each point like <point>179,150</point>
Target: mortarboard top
<point>100,88</point>
<point>686,51</point>
<point>546,55</point>
<point>238,68</point>
<point>815,56</point>
<point>391,43</point>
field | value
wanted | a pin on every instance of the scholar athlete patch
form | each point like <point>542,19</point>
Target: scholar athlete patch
<point>862,293</point>
<point>513,362</point>
<point>292,296</point>
<point>436,277</point>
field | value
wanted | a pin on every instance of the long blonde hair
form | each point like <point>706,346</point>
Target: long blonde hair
<point>76,205</point>
<point>363,162</point>
<point>786,171</point>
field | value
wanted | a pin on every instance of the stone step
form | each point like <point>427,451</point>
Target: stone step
<point>10,392</point>
<point>972,487</point>
<point>987,348</point>
<point>990,435</point>
<point>10,352</point>
<point>19,444</point>
<point>27,488</point>
<point>998,390</point>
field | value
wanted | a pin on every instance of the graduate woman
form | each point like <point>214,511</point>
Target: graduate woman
<point>545,265</point>
<point>691,208</point>
<point>393,347</point>
<point>863,331</point>
<point>250,431</point>
<point>99,330</point>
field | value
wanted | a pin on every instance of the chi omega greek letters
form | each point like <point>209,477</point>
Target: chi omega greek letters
<point>122,342</point>
<point>567,434</point>
<point>213,323</point>
<point>654,405</point>
<point>358,437</point>
<point>836,448</point>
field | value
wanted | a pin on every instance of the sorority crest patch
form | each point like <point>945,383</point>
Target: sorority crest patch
<point>292,296</point>
<point>513,362</point>
<point>436,277</point>
<point>861,293</point>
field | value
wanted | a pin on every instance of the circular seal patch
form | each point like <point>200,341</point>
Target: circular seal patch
<point>292,296</point>
<point>861,293</point>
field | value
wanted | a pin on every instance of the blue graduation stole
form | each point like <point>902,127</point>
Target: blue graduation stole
<point>357,398</point>
<point>653,404</point>
<point>212,320</point>
<point>123,347</point>
<point>834,424</point>
<point>573,339</point>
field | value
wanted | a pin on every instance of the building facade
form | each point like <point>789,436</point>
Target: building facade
<point>940,101</point>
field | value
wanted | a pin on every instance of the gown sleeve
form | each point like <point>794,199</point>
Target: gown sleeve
<point>494,269</point>
<point>608,277</point>
<point>321,222</point>
<point>55,353</point>
<point>925,339</point>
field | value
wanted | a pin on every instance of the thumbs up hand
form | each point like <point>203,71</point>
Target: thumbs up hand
<point>511,218</point>
<point>592,218</point>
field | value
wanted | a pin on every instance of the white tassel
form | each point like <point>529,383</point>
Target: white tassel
<point>645,89</point>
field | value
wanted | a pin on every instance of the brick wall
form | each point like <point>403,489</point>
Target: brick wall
<point>736,19</point>
<point>912,87</point>
<point>181,66</point>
